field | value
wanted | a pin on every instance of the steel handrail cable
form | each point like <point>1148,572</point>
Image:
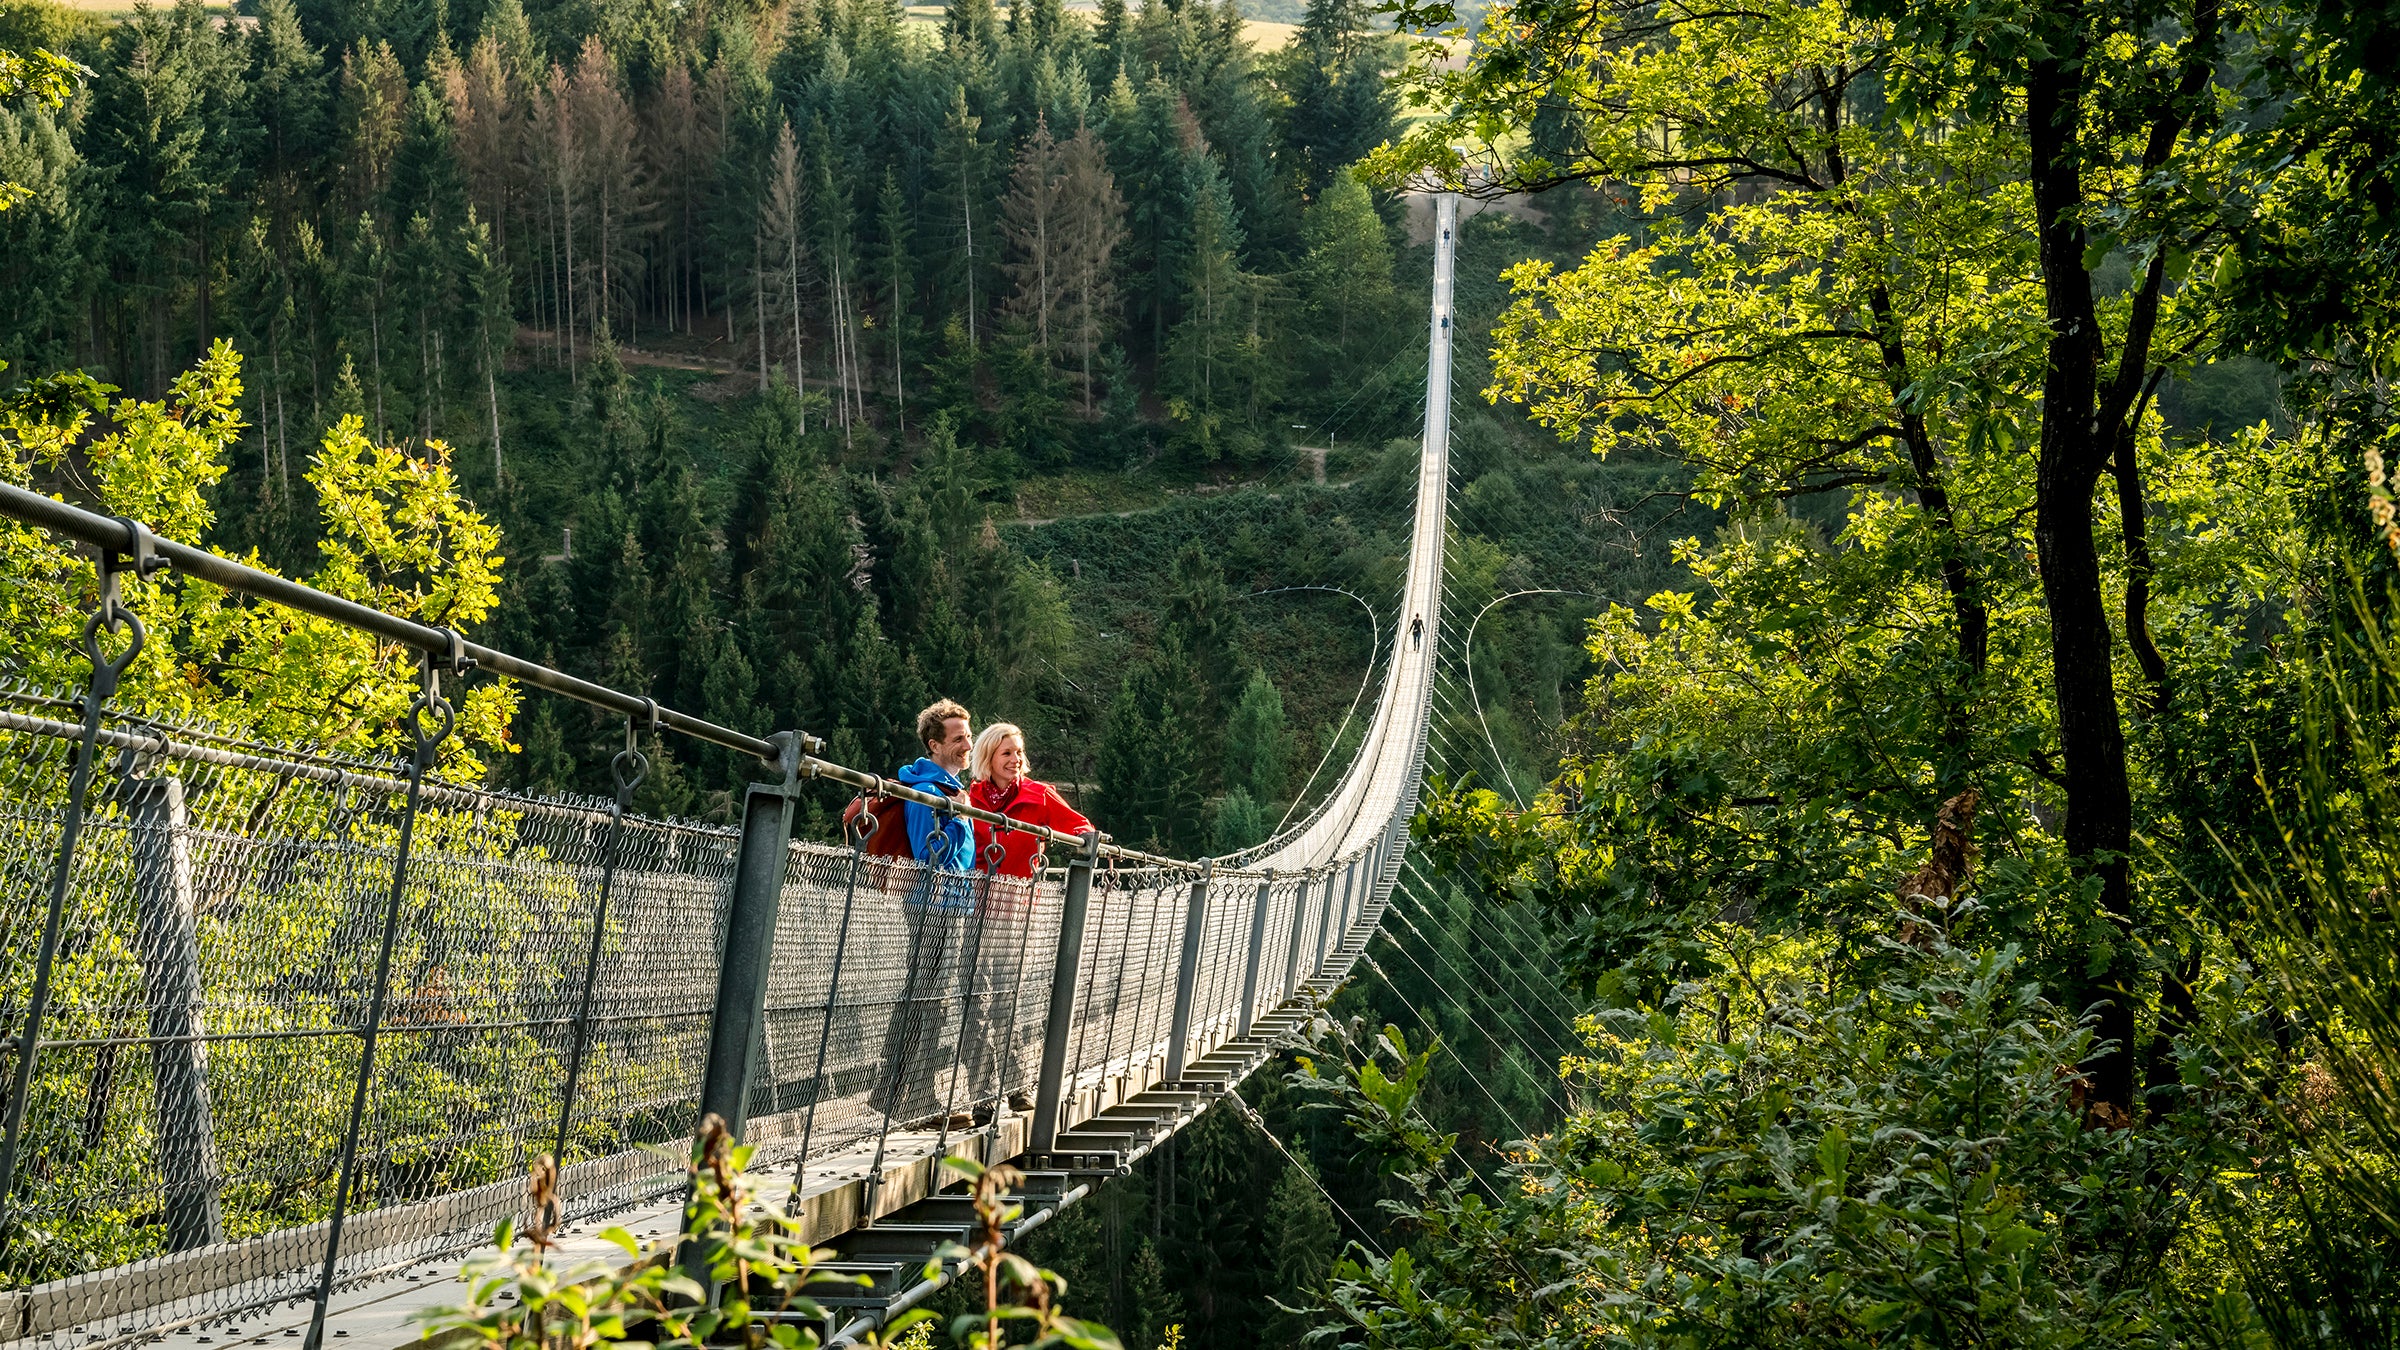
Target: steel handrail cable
<point>793,752</point>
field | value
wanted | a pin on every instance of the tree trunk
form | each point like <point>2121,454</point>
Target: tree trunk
<point>491,390</point>
<point>2074,451</point>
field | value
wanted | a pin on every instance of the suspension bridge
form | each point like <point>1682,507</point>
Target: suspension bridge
<point>284,1029</point>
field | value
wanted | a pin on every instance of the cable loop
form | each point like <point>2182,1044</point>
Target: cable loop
<point>631,766</point>
<point>430,703</point>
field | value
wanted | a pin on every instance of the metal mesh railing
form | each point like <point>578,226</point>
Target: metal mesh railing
<point>213,975</point>
<point>212,970</point>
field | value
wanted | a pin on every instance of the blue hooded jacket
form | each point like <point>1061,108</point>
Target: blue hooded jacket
<point>947,843</point>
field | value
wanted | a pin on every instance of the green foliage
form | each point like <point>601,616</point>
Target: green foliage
<point>1257,748</point>
<point>1032,1317</point>
<point>40,79</point>
<point>701,1286</point>
<point>1773,1162</point>
<point>396,534</point>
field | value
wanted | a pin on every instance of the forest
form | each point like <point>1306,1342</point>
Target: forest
<point>998,401</point>
<point>1929,882</point>
<point>611,272</point>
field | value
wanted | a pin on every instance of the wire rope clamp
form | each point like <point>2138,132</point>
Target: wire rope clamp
<point>794,756</point>
<point>454,655</point>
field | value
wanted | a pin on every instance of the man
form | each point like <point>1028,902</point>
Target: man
<point>943,841</point>
<point>936,912</point>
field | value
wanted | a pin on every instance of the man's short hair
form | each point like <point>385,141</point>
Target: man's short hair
<point>929,722</point>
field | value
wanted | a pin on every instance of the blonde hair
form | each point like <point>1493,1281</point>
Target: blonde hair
<point>987,744</point>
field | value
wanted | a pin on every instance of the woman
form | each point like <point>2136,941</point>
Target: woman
<point>1001,787</point>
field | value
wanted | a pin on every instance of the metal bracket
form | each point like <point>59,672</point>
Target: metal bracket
<point>141,557</point>
<point>792,752</point>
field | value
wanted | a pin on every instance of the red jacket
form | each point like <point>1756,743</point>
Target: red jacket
<point>1031,802</point>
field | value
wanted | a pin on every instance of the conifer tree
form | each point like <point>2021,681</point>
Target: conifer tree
<point>1200,608</point>
<point>486,130</point>
<point>1149,762</point>
<point>897,284</point>
<point>782,252</point>
<point>284,107</point>
<point>1030,223</point>
<point>1302,1243</point>
<point>961,165</point>
<point>1257,745</point>
<point>373,119</point>
<point>617,181</point>
<point>1240,822</point>
<point>493,320</point>
<point>1346,286</point>
<point>1094,226</point>
<point>1213,362</point>
<point>1338,104</point>
<point>364,287</point>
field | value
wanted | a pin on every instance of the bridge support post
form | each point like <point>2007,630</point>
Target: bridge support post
<point>736,1027</point>
<point>1291,955</point>
<point>1258,943</point>
<point>166,921</point>
<point>1059,1026</point>
<point>1316,969</point>
<point>1187,974</point>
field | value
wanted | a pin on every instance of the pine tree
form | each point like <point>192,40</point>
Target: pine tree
<point>372,119</point>
<point>485,120</point>
<point>1302,1243</point>
<point>679,144</point>
<point>782,253</point>
<point>1030,223</point>
<point>616,180</point>
<point>493,322</point>
<point>1240,822</point>
<point>1257,745</point>
<point>364,285</point>
<point>1093,223</point>
<point>836,236</point>
<point>1353,310</point>
<point>1200,608</point>
<point>1338,103</point>
<point>284,105</point>
<point>897,285</point>
<point>1149,762</point>
<point>1213,362</point>
<point>680,543</point>
<point>961,166</point>
<point>426,286</point>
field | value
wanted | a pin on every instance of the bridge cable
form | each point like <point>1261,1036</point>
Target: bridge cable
<point>1494,980</point>
<point>1250,1113</point>
<point>1519,1043</point>
<point>1434,1031</point>
<point>1522,1010</point>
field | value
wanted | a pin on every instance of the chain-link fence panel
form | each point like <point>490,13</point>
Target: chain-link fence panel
<point>209,989</point>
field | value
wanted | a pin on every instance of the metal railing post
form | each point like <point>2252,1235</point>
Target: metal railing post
<point>1258,943</point>
<point>1291,957</point>
<point>1187,975</point>
<point>166,919</point>
<point>1060,1023</point>
<point>737,1024</point>
<point>1316,968</point>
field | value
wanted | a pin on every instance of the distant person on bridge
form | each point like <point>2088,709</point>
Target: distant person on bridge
<point>941,840</point>
<point>1002,787</point>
